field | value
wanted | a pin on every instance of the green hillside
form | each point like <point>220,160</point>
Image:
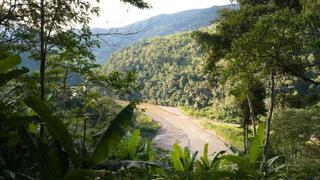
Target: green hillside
<point>169,68</point>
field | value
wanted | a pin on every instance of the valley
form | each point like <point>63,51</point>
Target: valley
<point>197,90</point>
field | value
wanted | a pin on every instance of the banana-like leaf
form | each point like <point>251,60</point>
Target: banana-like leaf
<point>9,63</point>
<point>216,156</point>
<point>115,166</point>
<point>205,158</point>
<point>176,156</point>
<point>186,158</point>
<point>256,146</point>
<point>112,135</point>
<point>56,127</point>
<point>133,143</point>
<point>80,174</point>
<point>178,150</point>
<point>5,77</point>
<point>49,162</point>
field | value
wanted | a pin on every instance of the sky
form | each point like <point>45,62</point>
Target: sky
<point>114,13</point>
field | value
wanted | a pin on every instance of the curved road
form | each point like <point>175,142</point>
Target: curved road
<point>181,129</point>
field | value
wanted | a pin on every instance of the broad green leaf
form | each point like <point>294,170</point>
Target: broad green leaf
<point>178,150</point>
<point>186,158</point>
<point>5,77</point>
<point>80,174</point>
<point>133,143</point>
<point>205,155</point>
<point>216,156</point>
<point>112,136</point>
<point>175,158</point>
<point>256,146</point>
<point>148,150</point>
<point>55,126</point>
<point>9,63</point>
<point>49,162</point>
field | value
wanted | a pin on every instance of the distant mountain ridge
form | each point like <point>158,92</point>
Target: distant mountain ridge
<point>160,25</point>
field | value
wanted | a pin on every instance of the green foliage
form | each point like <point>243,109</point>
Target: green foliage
<point>255,150</point>
<point>127,148</point>
<point>295,138</point>
<point>12,155</point>
<point>169,69</point>
<point>9,63</point>
<point>133,143</point>
<point>112,135</point>
<point>223,166</point>
<point>55,127</point>
<point>50,166</point>
<point>230,133</point>
<point>207,163</point>
<point>80,174</point>
<point>6,72</point>
<point>182,160</point>
<point>213,113</point>
<point>148,127</point>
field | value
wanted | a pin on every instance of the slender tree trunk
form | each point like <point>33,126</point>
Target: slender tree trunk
<point>244,136</point>
<point>84,140</point>
<point>269,119</point>
<point>42,61</point>
<point>253,116</point>
<point>64,90</point>
<point>65,77</point>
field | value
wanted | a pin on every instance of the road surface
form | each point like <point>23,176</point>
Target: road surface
<point>181,129</point>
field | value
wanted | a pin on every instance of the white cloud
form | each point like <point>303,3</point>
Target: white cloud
<point>115,13</point>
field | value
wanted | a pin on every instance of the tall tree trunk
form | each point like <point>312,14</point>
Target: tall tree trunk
<point>253,116</point>
<point>64,90</point>
<point>244,136</point>
<point>42,61</point>
<point>65,78</point>
<point>269,119</point>
<point>83,149</point>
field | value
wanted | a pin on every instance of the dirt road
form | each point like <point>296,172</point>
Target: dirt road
<point>181,129</point>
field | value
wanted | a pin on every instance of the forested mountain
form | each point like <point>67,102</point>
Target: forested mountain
<point>257,67</point>
<point>155,26</point>
<point>169,68</point>
<point>160,25</point>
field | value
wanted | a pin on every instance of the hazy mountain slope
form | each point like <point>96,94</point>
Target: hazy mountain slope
<point>156,26</point>
<point>169,69</point>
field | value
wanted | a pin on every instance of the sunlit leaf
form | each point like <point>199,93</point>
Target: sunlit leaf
<point>133,143</point>
<point>112,136</point>
<point>9,63</point>
<point>256,146</point>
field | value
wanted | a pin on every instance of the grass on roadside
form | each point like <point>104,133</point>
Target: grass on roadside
<point>226,128</point>
<point>232,134</point>
<point>211,113</point>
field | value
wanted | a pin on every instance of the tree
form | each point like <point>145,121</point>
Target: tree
<point>264,40</point>
<point>56,20</point>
